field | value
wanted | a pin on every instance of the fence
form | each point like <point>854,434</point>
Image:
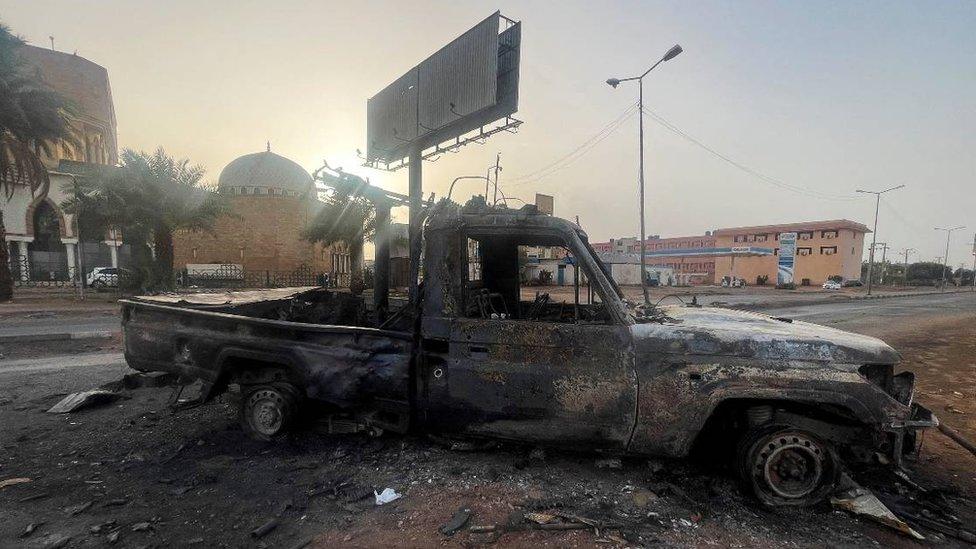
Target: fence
<point>51,270</point>
<point>234,276</point>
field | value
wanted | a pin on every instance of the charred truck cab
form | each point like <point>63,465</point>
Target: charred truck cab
<point>790,401</point>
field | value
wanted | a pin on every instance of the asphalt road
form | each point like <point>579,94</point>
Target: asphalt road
<point>856,316</point>
<point>57,323</point>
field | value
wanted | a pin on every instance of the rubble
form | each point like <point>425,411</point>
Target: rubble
<point>13,482</point>
<point>460,518</point>
<point>860,501</point>
<point>84,399</point>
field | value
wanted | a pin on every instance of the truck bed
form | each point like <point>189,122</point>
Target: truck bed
<point>295,333</point>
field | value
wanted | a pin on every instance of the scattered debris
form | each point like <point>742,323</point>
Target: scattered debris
<point>460,518</point>
<point>78,509</point>
<point>386,496</point>
<point>264,529</point>
<point>939,526</point>
<point>957,438</point>
<point>55,541</point>
<point>13,481</point>
<point>30,529</point>
<point>301,544</point>
<point>643,497</point>
<point>609,463</point>
<point>860,501</point>
<point>84,399</point>
<point>540,518</point>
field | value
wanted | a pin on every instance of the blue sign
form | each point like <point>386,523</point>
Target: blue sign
<point>787,258</point>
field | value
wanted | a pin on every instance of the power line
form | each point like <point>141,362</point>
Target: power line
<point>755,173</point>
<point>578,152</point>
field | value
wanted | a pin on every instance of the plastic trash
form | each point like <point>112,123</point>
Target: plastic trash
<point>386,496</point>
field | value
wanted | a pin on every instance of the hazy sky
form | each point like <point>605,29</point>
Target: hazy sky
<point>826,97</point>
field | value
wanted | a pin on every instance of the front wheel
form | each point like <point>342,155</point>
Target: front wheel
<point>786,466</point>
<point>268,411</point>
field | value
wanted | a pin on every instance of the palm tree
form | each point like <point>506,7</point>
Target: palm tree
<point>346,218</point>
<point>33,119</point>
<point>149,198</point>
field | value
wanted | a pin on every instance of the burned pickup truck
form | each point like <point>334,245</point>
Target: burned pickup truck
<point>787,401</point>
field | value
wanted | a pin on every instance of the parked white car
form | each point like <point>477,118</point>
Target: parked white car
<point>831,285</point>
<point>103,277</point>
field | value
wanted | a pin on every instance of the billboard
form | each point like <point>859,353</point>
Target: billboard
<point>544,202</point>
<point>787,258</point>
<point>469,83</point>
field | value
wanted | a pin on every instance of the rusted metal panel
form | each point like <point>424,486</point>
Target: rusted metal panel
<point>552,383</point>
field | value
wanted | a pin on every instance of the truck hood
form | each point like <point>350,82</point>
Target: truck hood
<point>725,332</point>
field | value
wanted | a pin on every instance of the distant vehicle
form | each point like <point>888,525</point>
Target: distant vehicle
<point>832,285</point>
<point>103,277</point>
<point>853,283</point>
<point>733,282</point>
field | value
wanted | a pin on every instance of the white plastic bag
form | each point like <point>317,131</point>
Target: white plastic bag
<point>386,496</point>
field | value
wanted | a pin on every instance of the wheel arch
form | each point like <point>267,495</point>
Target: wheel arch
<point>823,407</point>
<point>237,365</point>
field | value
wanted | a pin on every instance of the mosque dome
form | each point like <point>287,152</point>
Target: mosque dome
<point>264,173</point>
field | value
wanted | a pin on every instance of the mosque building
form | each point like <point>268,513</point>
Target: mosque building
<point>272,200</point>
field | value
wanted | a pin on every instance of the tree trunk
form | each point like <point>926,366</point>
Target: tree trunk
<point>356,285</point>
<point>6,279</point>
<point>163,240</point>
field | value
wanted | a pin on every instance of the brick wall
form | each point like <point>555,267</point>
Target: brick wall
<point>262,233</point>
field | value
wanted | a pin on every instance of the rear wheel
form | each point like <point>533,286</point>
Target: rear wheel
<point>786,466</point>
<point>268,411</point>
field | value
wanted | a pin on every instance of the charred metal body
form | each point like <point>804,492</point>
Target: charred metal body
<point>475,360</point>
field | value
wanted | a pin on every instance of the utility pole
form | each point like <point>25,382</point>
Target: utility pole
<point>498,159</point>
<point>974,262</point>
<point>945,259</point>
<point>884,251</point>
<point>614,82</point>
<point>906,251</point>
<point>874,233</point>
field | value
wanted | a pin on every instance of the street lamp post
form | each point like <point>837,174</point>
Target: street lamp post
<point>945,259</point>
<point>874,233</point>
<point>907,251</point>
<point>614,82</point>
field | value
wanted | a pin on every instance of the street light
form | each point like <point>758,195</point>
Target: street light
<point>945,259</point>
<point>874,234</point>
<point>614,82</point>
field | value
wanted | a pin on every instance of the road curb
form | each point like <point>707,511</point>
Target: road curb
<point>66,336</point>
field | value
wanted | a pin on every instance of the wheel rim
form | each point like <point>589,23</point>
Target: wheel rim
<point>267,413</point>
<point>791,465</point>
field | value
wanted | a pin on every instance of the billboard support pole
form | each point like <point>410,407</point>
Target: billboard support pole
<point>381,264</point>
<point>416,198</point>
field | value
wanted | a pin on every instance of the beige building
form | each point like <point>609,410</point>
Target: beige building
<point>272,200</point>
<point>41,238</point>
<point>823,249</point>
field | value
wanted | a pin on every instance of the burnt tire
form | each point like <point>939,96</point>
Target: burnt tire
<point>787,467</point>
<point>269,411</point>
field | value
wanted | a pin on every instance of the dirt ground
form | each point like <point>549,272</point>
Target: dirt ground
<point>134,473</point>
